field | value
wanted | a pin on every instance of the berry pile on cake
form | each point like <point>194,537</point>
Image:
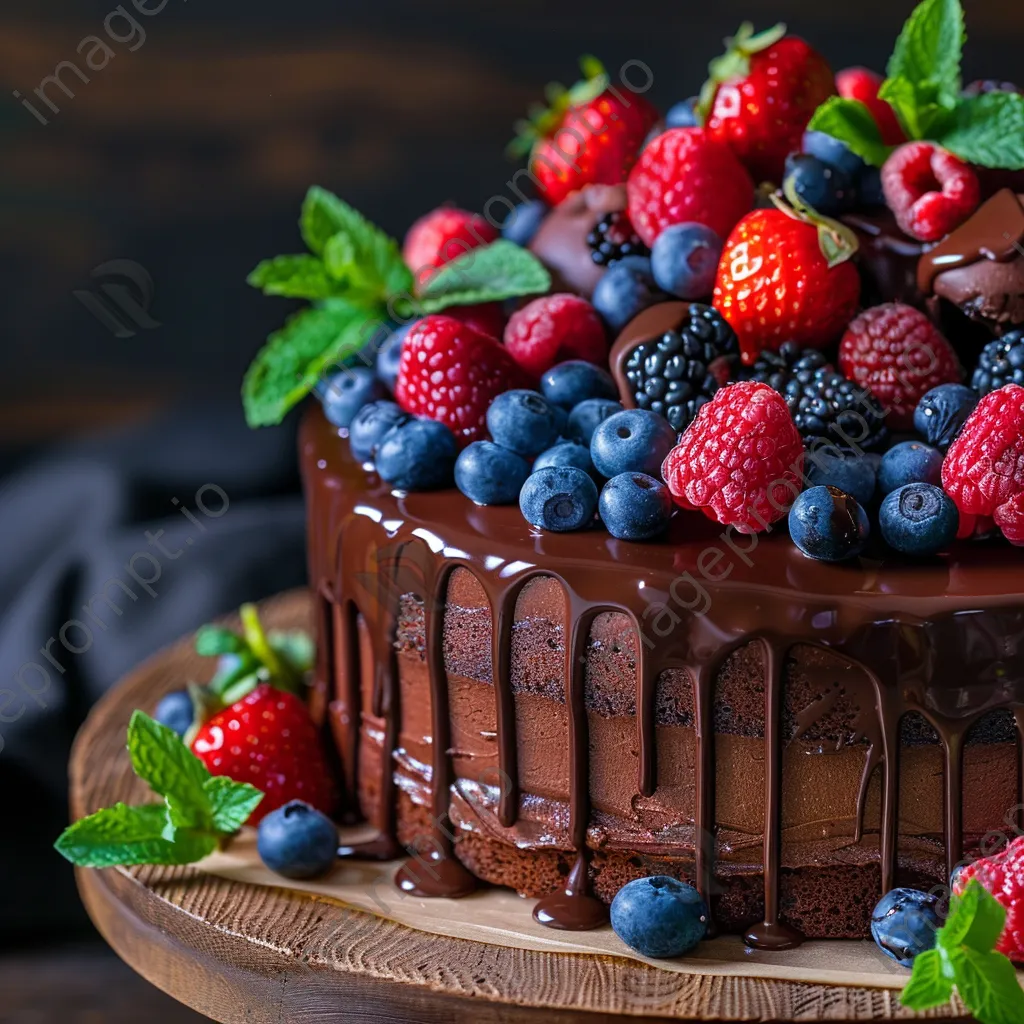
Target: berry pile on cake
<point>664,527</point>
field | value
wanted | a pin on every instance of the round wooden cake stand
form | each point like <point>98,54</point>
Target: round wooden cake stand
<point>243,954</point>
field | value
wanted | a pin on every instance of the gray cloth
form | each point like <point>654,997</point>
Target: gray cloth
<point>110,549</point>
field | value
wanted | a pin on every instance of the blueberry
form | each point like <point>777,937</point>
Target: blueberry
<point>659,917</point>
<point>852,473</point>
<point>624,290</point>
<point>918,519</point>
<point>175,711</point>
<point>523,421</point>
<point>823,187</point>
<point>909,462</point>
<point>828,524</point>
<point>558,498</point>
<point>389,354</point>
<point>683,114</point>
<point>489,474</point>
<point>297,841</point>
<point>417,455</point>
<point>943,411</point>
<point>904,923</point>
<point>831,151</point>
<point>567,453</point>
<point>574,381</point>
<point>585,417</point>
<point>522,222</point>
<point>635,506</point>
<point>684,260</point>
<point>869,187</point>
<point>344,393</point>
<point>370,424</point>
<point>634,440</point>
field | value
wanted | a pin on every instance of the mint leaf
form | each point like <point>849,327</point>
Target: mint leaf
<point>288,367</point>
<point>295,277</point>
<point>367,258</point>
<point>213,641</point>
<point>129,835</point>
<point>987,983</point>
<point>490,273</point>
<point>927,53</point>
<point>171,769</point>
<point>851,122</point>
<point>930,984</point>
<point>976,920</point>
<point>231,802</point>
<point>987,130</point>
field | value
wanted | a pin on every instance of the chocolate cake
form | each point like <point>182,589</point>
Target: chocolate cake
<point>791,736</point>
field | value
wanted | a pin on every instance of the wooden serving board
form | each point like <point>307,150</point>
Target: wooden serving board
<point>245,954</point>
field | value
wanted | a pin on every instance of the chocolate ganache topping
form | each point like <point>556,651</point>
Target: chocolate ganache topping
<point>940,639</point>
<point>980,266</point>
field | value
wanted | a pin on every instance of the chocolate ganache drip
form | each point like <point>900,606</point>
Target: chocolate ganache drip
<point>941,640</point>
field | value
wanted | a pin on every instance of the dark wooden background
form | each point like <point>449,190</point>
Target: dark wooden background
<point>190,156</point>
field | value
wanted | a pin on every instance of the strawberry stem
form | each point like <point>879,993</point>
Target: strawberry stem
<point>837,242</point>
<point>252,629</point>
<point>735,62</point>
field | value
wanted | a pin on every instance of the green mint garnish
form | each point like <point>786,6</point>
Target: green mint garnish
<point>491,273</point>
<point>923,88</point>
<point>355,274</point>
<point>198,811</point>
<point>964,958</point>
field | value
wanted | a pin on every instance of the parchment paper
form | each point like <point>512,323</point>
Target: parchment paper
<point>501,917</point>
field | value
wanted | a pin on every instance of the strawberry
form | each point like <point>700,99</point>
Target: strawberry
<point>761,95</point>
<point>268,739</point>
<point>591,134</point>
<point>863,84</point>
<point>451,373</point>
<point>683,175</point>
<point>443,235</point>
<point>775,282</point>
<point>1002,874</point>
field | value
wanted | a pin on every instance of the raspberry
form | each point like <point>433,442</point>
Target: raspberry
<point>1003,875</point>
<point>451,373</point>
<point>740,462</point>
<point>929,191</point>
<point>555,328</point>
<point>984,469</point>
<point>442,235</point>
<point>897,354</point>
<point>685,175</point>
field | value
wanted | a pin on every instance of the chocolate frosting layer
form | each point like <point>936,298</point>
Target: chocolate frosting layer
<point>938,638</point>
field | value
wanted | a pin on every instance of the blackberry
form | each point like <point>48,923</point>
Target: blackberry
<point>613,237</point>
<point>826,406</point>
<point>676,374</point>
<point>1001,362</point>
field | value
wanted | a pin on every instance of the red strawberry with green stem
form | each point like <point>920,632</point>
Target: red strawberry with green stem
<point>761,94</point>
<point>589,134</point>
<point>785,275</point>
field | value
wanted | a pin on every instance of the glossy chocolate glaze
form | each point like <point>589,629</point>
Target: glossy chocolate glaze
<point>940,638</point>
<point>887,258</point>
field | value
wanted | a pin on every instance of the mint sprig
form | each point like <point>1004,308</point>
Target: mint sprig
<point>924,89</point>
<point>501,270</point>
<point>355,274</point>
<point>199,809</point>
<point>964,958</point>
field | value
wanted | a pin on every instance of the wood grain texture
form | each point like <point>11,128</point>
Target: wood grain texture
<point>247,955</point>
